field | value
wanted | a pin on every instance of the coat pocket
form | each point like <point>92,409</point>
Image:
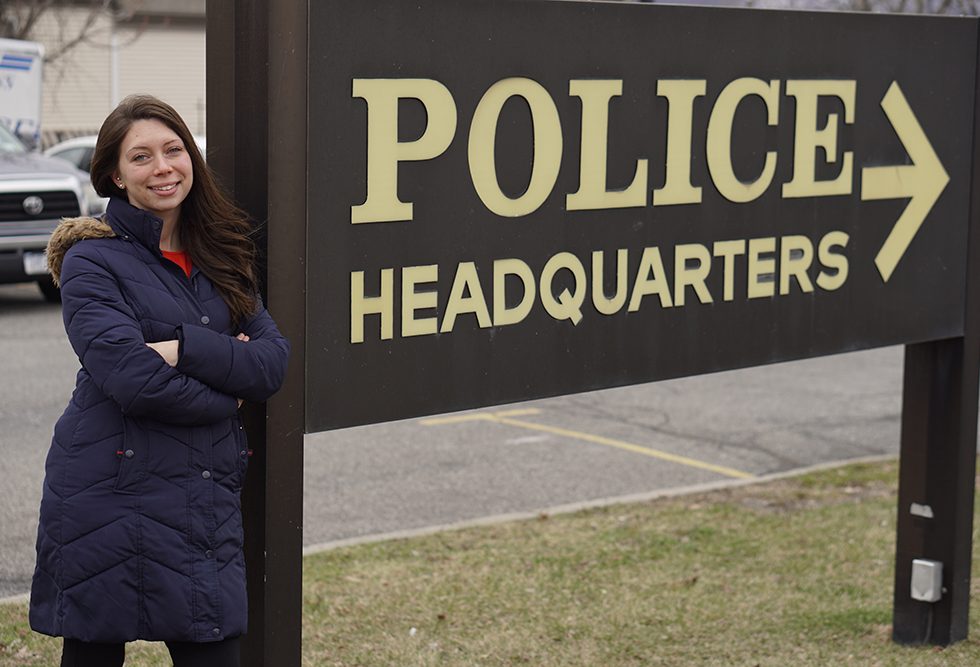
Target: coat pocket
<point>133,454</point>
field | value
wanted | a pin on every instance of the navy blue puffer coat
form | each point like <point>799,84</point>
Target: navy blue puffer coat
<point>140,533</point>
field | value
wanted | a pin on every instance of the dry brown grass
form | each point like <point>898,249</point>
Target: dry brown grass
<point>791,573</point>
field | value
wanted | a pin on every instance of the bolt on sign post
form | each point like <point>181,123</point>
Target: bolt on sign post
<point>473,203</point>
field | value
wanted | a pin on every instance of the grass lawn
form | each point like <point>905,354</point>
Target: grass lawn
<point>789,573</point>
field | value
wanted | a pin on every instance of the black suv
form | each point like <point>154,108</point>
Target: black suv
<point>36,192</point>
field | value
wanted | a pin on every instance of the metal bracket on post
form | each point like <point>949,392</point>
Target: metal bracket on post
<point>938,459</point>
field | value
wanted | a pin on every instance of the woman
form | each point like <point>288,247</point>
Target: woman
<point>140,533</point>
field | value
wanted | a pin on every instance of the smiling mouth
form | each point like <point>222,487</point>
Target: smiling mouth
<point>164,188</point>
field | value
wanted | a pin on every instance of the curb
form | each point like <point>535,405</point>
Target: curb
<point>16,599</point>
<point>570,508</point>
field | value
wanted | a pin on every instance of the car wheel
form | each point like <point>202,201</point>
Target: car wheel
<point>50,291</point>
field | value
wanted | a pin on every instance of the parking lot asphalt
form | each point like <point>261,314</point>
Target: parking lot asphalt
<point>599,446</point>
<point>414,475</point>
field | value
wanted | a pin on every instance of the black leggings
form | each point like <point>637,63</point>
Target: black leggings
<point>184,654</point>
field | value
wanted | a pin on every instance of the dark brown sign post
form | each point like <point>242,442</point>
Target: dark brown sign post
<point>473,203</point>
<point>257,82</point>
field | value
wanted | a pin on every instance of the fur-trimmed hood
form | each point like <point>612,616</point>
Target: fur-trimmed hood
<point>67,234</point>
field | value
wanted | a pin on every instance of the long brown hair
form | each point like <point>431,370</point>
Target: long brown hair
<point>213,231</point>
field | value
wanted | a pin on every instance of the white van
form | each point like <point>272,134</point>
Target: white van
<point>21,67</point>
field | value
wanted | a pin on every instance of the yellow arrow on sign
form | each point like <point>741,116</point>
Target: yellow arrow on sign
<point>922,181</point>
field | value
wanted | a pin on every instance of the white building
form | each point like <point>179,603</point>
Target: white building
<point>144,46</point>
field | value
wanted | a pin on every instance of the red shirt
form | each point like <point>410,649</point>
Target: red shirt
<point>180,258</point>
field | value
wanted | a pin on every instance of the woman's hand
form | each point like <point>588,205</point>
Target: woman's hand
<point>166,349</point>
<point>244,338</point>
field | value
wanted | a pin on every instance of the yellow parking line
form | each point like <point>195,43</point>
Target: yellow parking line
<point>506,417</point>
<point>478,416</point>
<point>619,444</point>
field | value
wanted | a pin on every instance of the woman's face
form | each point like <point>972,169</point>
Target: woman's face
<point>154,169</point>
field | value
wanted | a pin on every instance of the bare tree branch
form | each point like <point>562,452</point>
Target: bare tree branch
<point>18,17</point>
<point>98,10</point>
<point>36,10</point>
<point>19,20</point>
<point>968,7</point>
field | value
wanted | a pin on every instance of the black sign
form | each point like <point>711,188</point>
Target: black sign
<point>511,200</point>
